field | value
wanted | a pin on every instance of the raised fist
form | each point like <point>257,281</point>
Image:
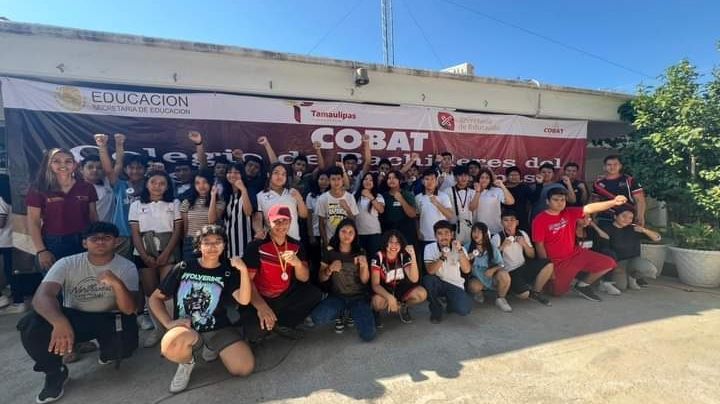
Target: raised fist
<point>195,137</point>
<point>237,154</point>
<point>119,139</point>
<point>101,139</point>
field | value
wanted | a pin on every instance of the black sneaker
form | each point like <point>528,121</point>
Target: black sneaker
<point>289,333</point>
<point>378,319</point>
<point>405,314</point>
<point>587,292</point>
<point>540,298</point>
<point>642,283</point>
<point>339,325</point>
<point>436,318</point>
<point>53,389</point>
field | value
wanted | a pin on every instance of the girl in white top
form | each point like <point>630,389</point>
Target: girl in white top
<point>489,195</point>
<point>371,205</point>
<point>277,192</point>
<point>317,188</point>
<point>156,228</point>
<point>432,206</point>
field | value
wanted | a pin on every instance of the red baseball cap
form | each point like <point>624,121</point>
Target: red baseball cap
<point>277,212</point>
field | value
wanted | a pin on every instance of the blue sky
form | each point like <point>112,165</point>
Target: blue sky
<point>556,42</point>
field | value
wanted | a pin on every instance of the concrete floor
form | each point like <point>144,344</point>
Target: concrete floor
<point>659,345</point>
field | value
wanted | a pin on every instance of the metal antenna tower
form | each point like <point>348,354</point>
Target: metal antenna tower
<point>387,32</point>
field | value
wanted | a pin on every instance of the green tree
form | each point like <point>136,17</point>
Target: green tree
<point>674,148</point>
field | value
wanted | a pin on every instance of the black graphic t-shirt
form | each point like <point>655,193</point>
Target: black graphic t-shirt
<point>201,294</point>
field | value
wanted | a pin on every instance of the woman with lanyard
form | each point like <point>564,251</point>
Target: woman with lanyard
<point>238,211</point>
<point>59,208</point>
<point>490,195</point>
<point>371,205</point>
<point>395,278</point>
<point>282,296</point>
<point>488,268</point>
<point>464,203</point>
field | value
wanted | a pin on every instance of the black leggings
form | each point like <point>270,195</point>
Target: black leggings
<point>290,308</point>
<point>114,344</point>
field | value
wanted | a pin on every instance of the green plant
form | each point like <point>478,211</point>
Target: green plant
<point>674,149</point>
<point>697,236</point>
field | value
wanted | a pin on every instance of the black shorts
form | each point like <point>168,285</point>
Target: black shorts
<point>218,340</point>
<point>524,276</point>
<point>402,290</point>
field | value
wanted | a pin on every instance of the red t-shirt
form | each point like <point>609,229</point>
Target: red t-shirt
<point>63,214</point>
<point>261,258</point>
<point>557,232</point>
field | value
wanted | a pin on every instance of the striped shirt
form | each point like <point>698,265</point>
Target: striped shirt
<point>237,226</point>
<point>197,215</point>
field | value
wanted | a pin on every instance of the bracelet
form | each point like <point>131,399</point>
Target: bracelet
<point>42,251</point>
<point>198,144</point>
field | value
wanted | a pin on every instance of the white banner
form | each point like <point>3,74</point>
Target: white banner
<point>41,96</point>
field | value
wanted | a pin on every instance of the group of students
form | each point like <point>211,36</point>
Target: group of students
<point>224,257</point>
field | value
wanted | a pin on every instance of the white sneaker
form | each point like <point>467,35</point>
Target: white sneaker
<point>609,289</point>
<point>153,338</point>
<point>503,305</point>
<point>144,322</point>
<point>182,377</point>
<point>632,283</point>
<point>208,354</point>
<point>4,301</point>
<point>15,308</point>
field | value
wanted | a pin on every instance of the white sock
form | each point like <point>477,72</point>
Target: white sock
<point>581,284</point>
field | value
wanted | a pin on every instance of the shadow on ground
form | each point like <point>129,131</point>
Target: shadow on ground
<point>326,362</point>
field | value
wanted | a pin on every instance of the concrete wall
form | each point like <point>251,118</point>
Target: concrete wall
<point>75,55</point>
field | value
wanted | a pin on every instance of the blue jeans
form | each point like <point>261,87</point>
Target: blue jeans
<point>63,246</point>
<point>458,300</point>
<point>188,249</point>
<point>329,309</point>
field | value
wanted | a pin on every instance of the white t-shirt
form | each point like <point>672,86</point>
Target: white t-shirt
<point>460,202</point>
<point>489,209</point>
<point>430,214</point>
<point>266,199</point>
<point>328,207</point>
<point>80,288</point>
<point>159,216</point>
<point>368,222</point>
<point>105,204</point>
<point>5,232</point>
<point>513,256</point>
<point>311,202</point>
<point>450,270</point>
<point>446,181</point>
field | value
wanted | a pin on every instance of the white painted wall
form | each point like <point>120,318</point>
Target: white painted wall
<point>63,54</point>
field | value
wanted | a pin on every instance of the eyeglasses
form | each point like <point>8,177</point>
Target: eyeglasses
<point>104,238</point>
